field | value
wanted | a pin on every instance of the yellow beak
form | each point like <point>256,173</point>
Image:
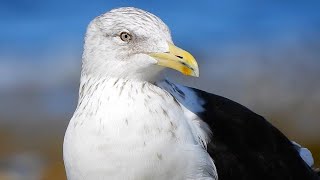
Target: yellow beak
<point>178,59</point>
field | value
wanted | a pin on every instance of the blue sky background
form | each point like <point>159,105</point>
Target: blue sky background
<point>36,27</point>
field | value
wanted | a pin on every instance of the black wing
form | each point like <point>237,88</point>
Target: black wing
<point>244,145</point>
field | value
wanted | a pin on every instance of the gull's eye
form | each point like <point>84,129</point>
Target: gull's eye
<point>124,36</point>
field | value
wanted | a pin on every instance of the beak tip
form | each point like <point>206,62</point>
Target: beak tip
<point>196,73</point>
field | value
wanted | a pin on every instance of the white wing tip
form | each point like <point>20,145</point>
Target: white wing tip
<point>305,154</point>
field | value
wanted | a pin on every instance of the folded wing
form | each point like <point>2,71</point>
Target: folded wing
<point>242,144</point>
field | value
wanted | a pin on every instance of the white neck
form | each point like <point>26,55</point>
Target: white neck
<point>123,124</point>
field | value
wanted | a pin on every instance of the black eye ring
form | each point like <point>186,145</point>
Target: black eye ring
<point>125,36</point>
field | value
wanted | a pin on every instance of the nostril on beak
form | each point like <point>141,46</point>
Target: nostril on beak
<point>179,57</point>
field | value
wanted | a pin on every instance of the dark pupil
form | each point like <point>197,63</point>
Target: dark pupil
<point>125,36</point>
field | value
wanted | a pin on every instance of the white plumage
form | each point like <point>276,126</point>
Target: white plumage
<point>124,126</point>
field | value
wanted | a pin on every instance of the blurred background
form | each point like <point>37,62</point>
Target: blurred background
<point>263,54</point>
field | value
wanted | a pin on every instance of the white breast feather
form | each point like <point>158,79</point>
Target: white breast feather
<point>131,130</point>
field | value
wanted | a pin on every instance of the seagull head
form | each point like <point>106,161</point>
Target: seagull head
<point>132,43</point>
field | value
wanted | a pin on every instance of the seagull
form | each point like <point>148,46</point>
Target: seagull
<point>132,123</point>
